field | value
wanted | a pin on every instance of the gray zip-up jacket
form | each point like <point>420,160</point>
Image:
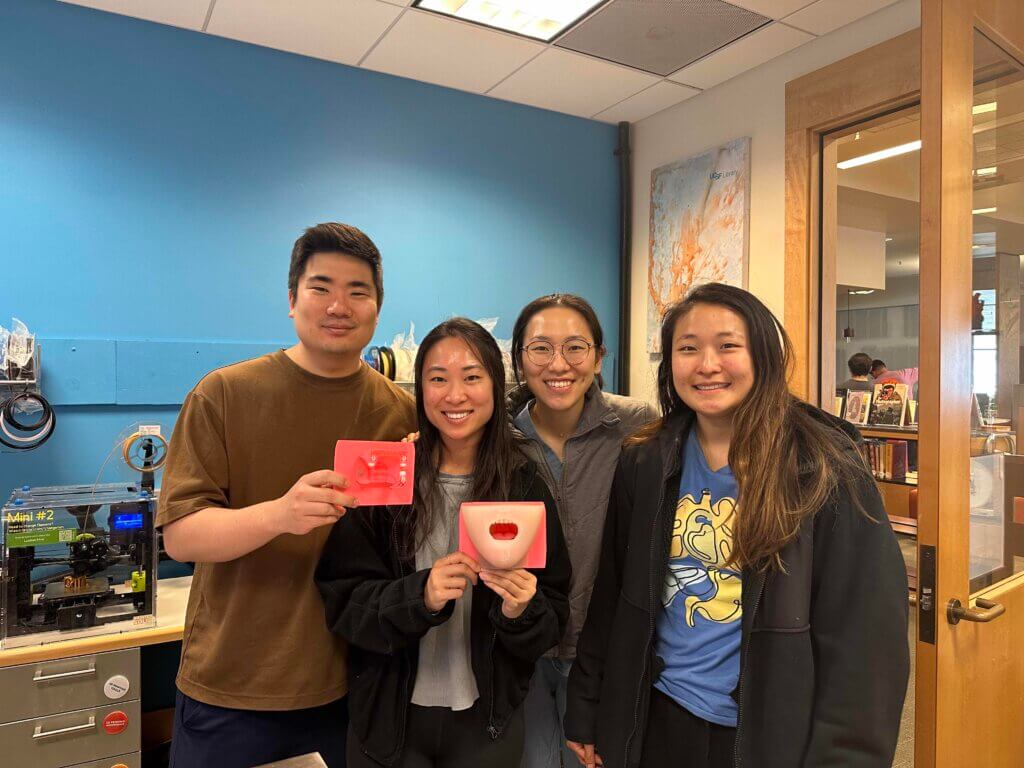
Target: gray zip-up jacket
<point>591,455</point>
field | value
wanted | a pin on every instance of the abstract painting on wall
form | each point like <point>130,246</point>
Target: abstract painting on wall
<point>700,221</point>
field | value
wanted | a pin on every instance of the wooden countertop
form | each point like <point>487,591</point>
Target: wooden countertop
<point>171,599</point>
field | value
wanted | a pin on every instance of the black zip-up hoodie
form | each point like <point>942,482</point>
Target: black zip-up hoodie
<point>374,599</point>
<point>824,657</point>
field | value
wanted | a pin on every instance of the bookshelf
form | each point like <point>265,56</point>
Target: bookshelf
<point>897,494</point>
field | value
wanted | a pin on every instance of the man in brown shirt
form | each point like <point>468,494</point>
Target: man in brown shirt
<point>248,495</point>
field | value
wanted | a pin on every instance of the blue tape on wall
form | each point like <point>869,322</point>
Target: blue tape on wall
<point>163,372</point>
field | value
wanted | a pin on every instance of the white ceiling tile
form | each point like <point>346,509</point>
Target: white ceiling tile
<point>746,53</point>
<point>567,82</point>
<point>425,46</point>
<point>773,9</point>
<point>826,15</point>
<point>644,104</point>
<point>190,14</point>
<point>336,30</point>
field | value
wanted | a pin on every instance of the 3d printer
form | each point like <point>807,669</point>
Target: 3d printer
<point>77,561</point>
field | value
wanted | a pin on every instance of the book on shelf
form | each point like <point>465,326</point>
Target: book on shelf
<point>899,459</point>
<point>858,406</point>
<point>889,404</point>
<point>887,459</point>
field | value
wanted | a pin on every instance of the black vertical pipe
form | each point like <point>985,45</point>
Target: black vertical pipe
<point>625,255</point>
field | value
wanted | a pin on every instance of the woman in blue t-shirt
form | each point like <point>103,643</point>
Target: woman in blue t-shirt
<point>751,603</point>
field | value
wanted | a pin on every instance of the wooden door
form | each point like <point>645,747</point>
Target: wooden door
<point>970,650</point>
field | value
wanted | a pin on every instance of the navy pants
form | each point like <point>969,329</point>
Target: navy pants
<point>206,736</point>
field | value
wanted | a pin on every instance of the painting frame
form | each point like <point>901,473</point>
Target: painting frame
<point>699,227</point>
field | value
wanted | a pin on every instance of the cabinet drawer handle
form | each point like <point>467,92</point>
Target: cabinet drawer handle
<point>42,678</point>
<point>41,734</point>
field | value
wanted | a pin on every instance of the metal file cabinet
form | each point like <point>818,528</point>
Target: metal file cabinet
<point>82,711</point>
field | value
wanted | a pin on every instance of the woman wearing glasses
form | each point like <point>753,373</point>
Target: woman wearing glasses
<point>558,349</point>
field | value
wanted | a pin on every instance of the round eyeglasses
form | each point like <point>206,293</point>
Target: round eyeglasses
<point>573,352</point>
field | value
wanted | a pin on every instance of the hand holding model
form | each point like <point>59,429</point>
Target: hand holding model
<point>515,588</point>
<point>316,499</point>
<point>448,579</point>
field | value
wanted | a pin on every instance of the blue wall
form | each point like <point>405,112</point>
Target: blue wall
<point>153,180</point>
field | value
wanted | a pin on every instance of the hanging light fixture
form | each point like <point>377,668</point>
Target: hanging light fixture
<point>848,330</point>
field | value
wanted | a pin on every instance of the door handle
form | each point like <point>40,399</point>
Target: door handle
<point>990,610</point>
<point>40,677</point>
<point>41,734</point>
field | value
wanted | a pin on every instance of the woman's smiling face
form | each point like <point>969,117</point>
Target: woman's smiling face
<point>458,394</point>
<point>559,384</point>
<point>712,370</point>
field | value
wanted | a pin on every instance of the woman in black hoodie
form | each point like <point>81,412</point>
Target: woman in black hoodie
<point>750,607</point>
<point>442,651</point>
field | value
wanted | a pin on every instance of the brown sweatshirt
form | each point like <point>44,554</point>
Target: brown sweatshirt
<point>255,634</point>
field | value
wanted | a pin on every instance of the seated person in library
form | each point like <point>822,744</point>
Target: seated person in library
<point>860,369</point>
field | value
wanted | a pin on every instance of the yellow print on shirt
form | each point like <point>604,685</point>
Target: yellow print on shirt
<point>702,536</point>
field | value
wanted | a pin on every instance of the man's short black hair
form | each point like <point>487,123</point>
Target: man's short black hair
<point>333,237</point>
<point>859,364</point>
<point>876,364</point>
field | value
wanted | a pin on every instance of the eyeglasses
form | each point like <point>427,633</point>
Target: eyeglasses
<point>573,352</point>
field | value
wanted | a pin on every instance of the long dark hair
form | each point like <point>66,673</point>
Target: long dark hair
<point>497,455</point>
<point>787,461</point>
<point>569,300</point>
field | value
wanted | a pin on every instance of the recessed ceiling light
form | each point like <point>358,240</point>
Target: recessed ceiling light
<point>539,19</point>
<point>882,154</point>
<point>981,109</point>
<point>990,171</point>
<point>888,239</point>
<point>979,211</point>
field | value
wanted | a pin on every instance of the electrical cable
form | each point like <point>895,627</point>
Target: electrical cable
<point>8,407</point>
<point>118,443</point>
<point>32,441</point>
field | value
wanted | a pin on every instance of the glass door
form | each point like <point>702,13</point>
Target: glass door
<point>970,611</point>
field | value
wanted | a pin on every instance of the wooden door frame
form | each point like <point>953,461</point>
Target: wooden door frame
<point>968,685</point>
<point>880,79</point>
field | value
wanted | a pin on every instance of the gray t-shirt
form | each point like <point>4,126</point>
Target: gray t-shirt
<point>444,677</point>
<point>858,384</point>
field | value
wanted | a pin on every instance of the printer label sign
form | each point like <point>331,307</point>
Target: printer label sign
<point>116,687</point>
<point>116,722</point>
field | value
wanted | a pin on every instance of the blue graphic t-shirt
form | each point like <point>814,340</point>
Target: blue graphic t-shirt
<point>698,633</point>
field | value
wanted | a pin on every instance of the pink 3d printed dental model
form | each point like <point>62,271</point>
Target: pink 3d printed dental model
<point>504,535</point>
<point>378,472</point>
